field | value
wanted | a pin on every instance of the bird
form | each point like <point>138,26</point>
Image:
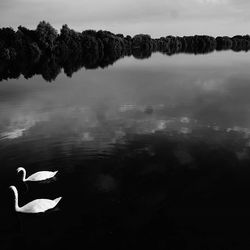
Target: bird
<point>38,176</point>
<point>35,206</point>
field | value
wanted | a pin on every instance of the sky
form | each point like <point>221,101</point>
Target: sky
<point>157,17</point>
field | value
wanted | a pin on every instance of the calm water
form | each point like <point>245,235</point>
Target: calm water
<point>151,153</point>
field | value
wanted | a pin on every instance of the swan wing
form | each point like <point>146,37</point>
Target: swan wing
<point>38,206</point>
<point>41,175</point>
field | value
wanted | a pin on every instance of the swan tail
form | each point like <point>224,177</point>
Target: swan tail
<point>57,199</point>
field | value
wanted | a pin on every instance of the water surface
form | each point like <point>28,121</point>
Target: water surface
<point>150,153</point>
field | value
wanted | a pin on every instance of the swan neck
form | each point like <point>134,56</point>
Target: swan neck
<point>24,174</point>
<point>17,208</point>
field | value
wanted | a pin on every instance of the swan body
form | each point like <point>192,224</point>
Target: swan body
<point>35,206</point>
<point>38,176</point>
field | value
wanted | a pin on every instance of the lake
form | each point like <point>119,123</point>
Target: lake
<point>151,153</point>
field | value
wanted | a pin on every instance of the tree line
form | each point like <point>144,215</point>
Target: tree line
<point>45,51</point>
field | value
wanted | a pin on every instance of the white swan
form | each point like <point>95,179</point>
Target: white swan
<point>35,206</point>
<point>38,176</point>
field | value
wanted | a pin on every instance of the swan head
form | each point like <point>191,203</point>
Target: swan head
<point>13,188</point>
<point>20,169</point>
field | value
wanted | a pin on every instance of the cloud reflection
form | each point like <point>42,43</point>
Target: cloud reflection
<point>19,124</point>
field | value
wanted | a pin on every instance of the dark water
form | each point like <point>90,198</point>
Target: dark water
<point>152,154</point>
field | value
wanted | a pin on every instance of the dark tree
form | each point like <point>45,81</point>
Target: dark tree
<point>43,51</point>
<point>46,36</point>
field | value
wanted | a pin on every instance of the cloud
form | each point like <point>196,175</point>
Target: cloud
<point>212,1</point>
